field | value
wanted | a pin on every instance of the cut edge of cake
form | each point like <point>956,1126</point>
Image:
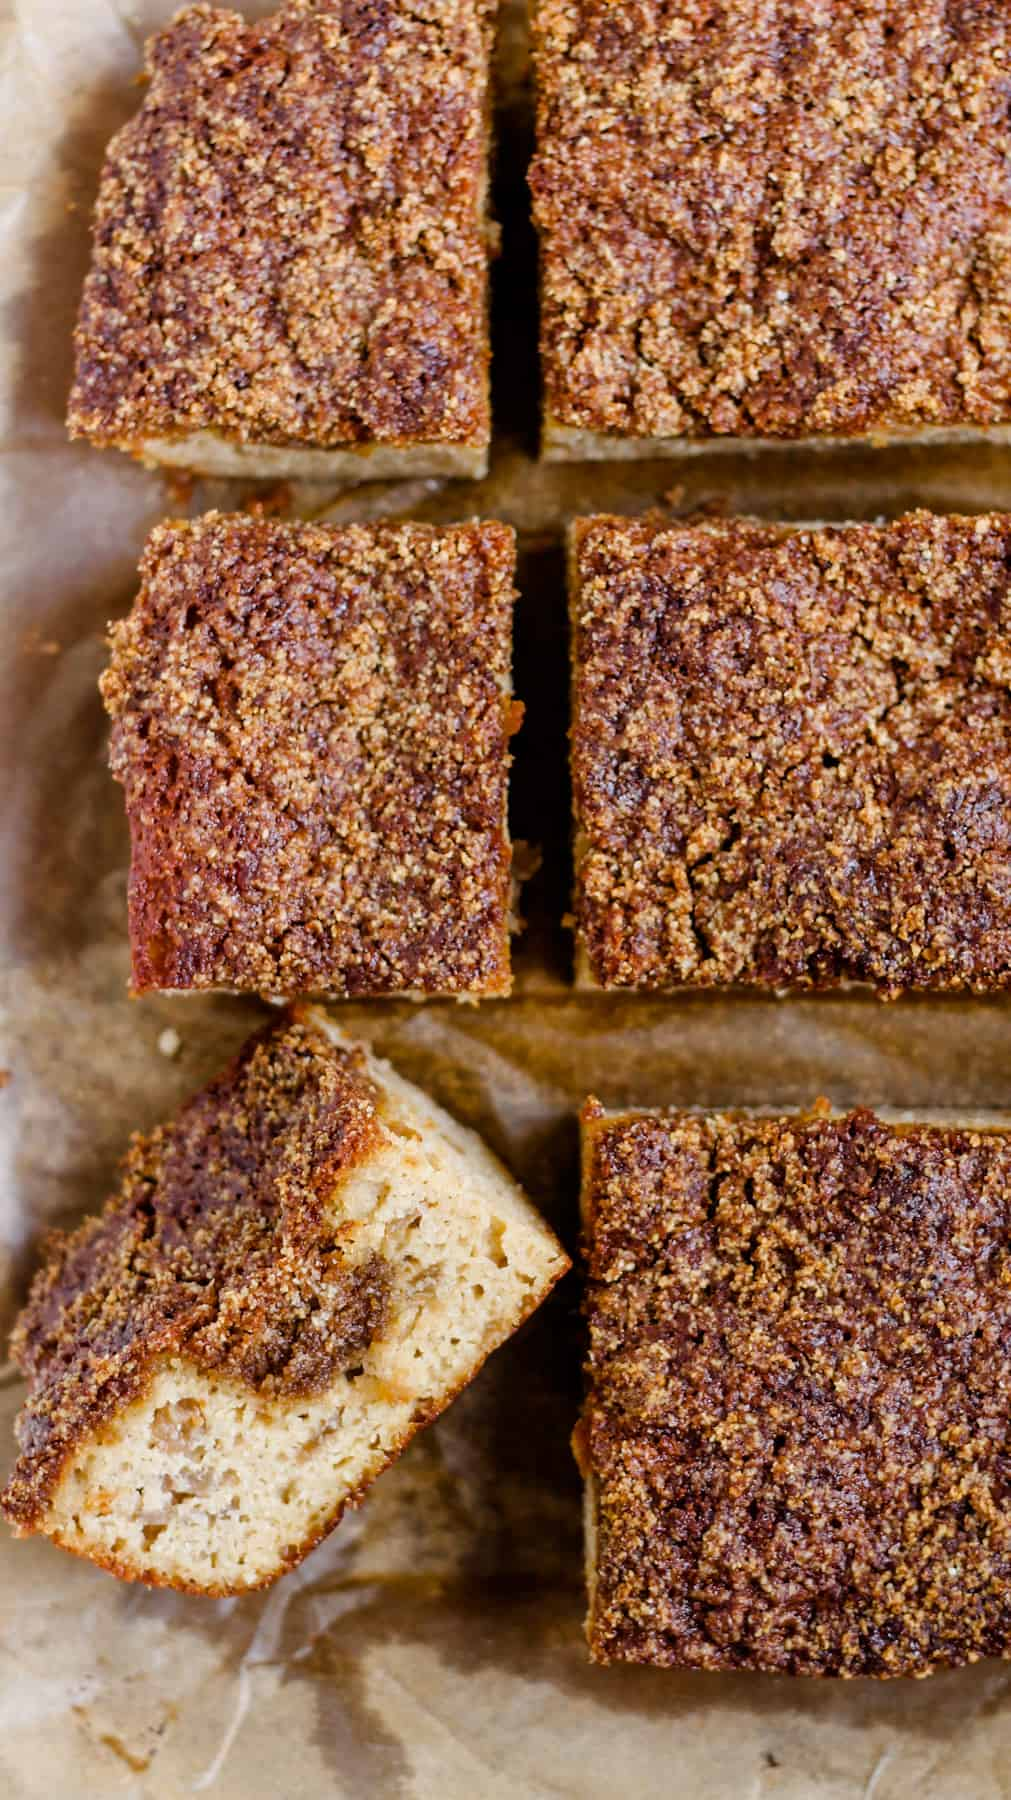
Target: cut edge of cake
<point>571,443</point>
<point>585,980</point>
<point>212,454</point>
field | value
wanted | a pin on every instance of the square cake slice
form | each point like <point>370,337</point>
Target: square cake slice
<point>768,223</point>
<point>312,728</point>
<point>289,272</point>
<point>791,753</point>
<point>297,1273</point>
<point>795,1439</point>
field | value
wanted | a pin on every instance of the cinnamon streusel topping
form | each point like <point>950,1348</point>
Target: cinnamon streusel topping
<point>799,1393</point>
<point>792,753</point>
<point>311,725</point>
<point>219,1245</point>
<point>774,220</point>
<point>290,244</point>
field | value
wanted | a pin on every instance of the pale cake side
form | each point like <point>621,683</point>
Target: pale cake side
<point>570,443</point>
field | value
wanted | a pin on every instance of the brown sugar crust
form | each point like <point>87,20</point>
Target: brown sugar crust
<point>799,1393</point>
<point>774,221</point>
<point>312,725</point>
<point>219,1244</point>
<point>791,753</point>
<point>289,243</point>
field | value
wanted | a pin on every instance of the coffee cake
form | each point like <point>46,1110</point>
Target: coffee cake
<point>296,1274</point>
<point>799,1392</point>
<point>290,252</point>
<point>311,725</point>
<point>760,223</point>
<point>791,753</point>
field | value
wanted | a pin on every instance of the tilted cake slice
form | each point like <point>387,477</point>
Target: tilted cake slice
<point>297,1273</point>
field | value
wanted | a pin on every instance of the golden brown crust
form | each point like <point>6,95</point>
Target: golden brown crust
<point>219,1244</point>
<point>780,221</point>
<point>289,241</point>
<point>791,753</point>
<point>311,725</point>
<point>799,1393</point>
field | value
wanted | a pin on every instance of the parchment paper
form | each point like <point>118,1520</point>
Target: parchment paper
<point>433,1646</point>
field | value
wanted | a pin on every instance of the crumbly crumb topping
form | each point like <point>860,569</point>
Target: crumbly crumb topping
<point>799,1393</point>
<point>774,220</point>
<point>220,1245</point>
<point>289,241</point>
<point>311,725</point>
<point>792,753</point>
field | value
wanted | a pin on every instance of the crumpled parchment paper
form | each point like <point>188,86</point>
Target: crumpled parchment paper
<point>432,1647</point>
